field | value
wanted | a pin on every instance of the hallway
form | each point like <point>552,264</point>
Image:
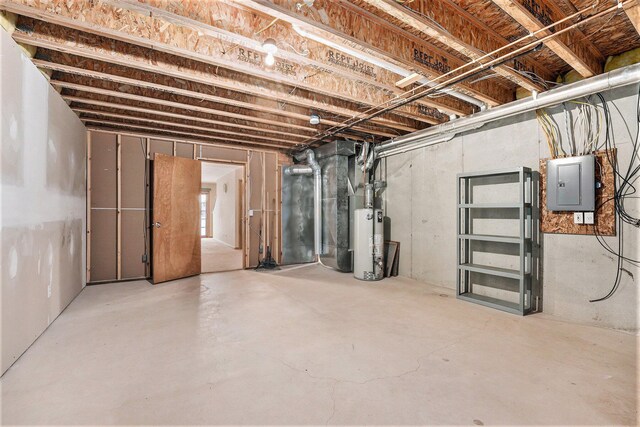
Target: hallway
<point>216,256</point>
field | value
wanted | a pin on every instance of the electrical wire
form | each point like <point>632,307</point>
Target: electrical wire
<point>623,189</point>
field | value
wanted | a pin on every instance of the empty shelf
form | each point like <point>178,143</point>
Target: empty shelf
<point>491,205</point>
<point>511,307</point>
<point>490,238</point>
<point>494,271</point>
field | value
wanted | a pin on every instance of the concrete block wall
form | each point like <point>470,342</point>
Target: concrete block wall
<point>421,203</point>
<point>43,202</point>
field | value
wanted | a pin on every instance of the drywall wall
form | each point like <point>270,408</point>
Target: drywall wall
<point>421,203</point>
<point>211,188</point>
<point>225,208</point>
<point>43,202</point>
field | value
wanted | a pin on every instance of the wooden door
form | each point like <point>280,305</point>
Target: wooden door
<point>176,218</point>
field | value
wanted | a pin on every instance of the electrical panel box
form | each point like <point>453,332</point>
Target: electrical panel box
<point>571,184</point>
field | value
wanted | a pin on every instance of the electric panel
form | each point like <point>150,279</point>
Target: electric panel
<point>571,184</point>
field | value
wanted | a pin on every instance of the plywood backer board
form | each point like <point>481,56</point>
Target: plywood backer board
<point>605,218</point>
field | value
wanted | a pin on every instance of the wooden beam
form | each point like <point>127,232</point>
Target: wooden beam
<point>409,80</point>
<point>573,47</point>
<point>121,125</point>
<point>633,12</point>
<point>88,46</point>
<point>214,17</point>
<point>213,131</point>
<point>119,207</point>
<point>432,29</point>
<point>88,235</point>
<point>183,105</point>
<point>349,27</point>
<point>164,113</point>
<point>143,30</point>
<point>150,84</point>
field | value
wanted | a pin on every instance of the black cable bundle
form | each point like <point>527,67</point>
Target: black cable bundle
<point>624,188</point>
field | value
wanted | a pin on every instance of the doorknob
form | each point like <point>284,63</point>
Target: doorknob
<point>156,225</point>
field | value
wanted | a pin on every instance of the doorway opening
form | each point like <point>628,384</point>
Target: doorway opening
<point>222,217</point>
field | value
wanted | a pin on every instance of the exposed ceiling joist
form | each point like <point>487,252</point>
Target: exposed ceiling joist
<point>84,112</point>
<point>573,47</point>
<point>633,12</point>
<point>174,104</point>
<point>113,106</point>
<point>184,92</point>
<point>293,49</point>
<point>350,30</point>
<point>433,30</point>
<point>56,38</point>
<point>156,34</point>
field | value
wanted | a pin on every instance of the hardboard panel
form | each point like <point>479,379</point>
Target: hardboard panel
<point>133,244</point>
<point>160,146</point>
<point>605,217</point>
<point>184,150</point>
<point>103,170</point>
<point>133,172</point>
<point>220,153</point>
<point>103,245</point>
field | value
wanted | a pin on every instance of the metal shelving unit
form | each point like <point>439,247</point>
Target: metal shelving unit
<point>517,302</point>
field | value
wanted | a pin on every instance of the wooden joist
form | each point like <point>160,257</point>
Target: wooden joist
<point>573,47</point>
<point>159,35</point>
<point>214,18</point>
<point>163,111</point>
<point>452,37</point>
<point>149,82</point>
<point>345,25</point>
<point>147,97</point>
<point>142,62</point>
<point>633,12</point>
<point>221,133</point>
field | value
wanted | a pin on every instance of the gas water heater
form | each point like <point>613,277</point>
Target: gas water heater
<point>368,244</point>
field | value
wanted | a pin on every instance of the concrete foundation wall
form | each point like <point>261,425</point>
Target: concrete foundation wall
<point>43,203</point>
<point>421,203</point>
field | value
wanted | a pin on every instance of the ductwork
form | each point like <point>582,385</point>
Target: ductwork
<point>312,167</point>
<point>298,170</point>
<point>446,131</point>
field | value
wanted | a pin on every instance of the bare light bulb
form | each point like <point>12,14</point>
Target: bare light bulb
<point>269,60</point>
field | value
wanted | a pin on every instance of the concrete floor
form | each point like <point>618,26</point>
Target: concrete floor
<point>216,256</point>
<point>313,346</point>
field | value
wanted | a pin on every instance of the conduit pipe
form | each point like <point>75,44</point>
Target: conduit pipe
<point>312,168</point>
<point>446,131</point>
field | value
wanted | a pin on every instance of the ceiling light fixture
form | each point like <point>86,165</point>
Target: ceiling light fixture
<point>314,119</point>
<point>270,47</point>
